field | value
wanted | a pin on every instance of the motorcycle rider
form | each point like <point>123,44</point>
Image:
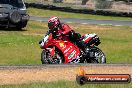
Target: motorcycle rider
<point>61,29</point>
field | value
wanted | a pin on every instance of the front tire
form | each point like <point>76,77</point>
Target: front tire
<point>46,58</point>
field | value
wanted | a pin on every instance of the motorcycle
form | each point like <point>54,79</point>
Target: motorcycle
<point>60,50</point>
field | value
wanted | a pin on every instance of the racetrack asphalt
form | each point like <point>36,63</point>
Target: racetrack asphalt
<point>86,21</point>
<point>2,67</point>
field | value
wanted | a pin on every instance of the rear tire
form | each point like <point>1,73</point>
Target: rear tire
<point>98,56</point>
<point>92,61</point>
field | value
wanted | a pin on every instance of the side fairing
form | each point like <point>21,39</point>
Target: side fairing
<point>69,50</point>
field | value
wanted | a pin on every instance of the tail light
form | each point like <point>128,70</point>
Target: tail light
<point>95,40</point>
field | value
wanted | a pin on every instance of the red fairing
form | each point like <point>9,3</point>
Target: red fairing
<point>70,51</point>
<point>51,50</point>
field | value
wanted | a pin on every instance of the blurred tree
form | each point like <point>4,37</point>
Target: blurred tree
<point>57,1</point>
<point>128,1</point>
<point>103,4</point>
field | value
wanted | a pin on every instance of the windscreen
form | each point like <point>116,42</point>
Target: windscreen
<point>15,3</point>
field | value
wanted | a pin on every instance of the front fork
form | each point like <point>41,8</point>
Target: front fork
<point>54,58</point>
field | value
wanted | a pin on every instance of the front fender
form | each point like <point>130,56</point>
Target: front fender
<point>51,51</point>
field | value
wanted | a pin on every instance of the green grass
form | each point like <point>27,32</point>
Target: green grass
<point>16,48</point>
<point>21,47</point>
<point>65,84</point>
<point>49,13</point>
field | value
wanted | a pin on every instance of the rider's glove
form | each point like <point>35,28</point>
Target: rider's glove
<point>50,31</point>
<point>62,34</point>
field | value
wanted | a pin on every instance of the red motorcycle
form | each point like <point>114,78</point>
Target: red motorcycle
<point>60,50</point>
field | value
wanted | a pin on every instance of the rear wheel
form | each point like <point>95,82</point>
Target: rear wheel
<point>96,55</point>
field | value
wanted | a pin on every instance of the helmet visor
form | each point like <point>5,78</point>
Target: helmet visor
<point>50,24</point>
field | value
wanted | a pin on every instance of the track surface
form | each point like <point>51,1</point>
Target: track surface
<point>48,73</point>
<point>13,67</point>
<point>86,21</point>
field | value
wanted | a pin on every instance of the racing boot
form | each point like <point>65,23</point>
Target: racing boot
<point>81,45</point>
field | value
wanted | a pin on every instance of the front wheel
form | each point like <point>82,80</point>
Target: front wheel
<point>96,55</point>
<point>46,58</point>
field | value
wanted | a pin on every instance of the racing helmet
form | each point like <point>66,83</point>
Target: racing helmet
<point>53,23</point>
